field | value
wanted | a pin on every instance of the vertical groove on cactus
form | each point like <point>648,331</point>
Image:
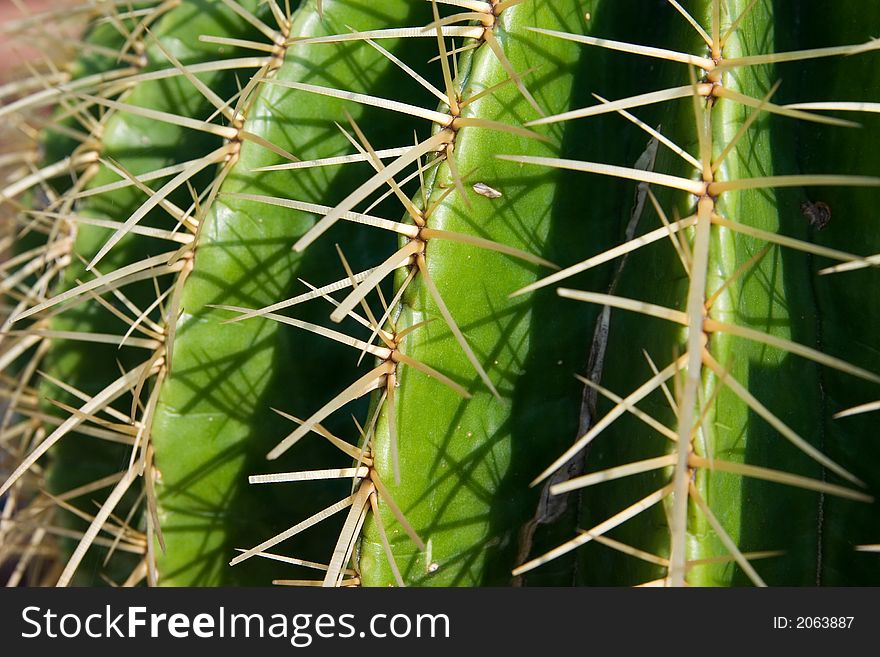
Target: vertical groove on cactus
<point>738,331</point>
<point>146,119</point>
<point>847,436</point>
<point>399,445</point>
<point>229,375</point>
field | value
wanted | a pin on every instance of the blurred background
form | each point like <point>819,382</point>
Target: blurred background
<point>21,40</point>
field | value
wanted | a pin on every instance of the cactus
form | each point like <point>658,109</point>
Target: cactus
<point>442,293</point>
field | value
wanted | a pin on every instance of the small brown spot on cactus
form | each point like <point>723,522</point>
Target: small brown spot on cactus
<point>817,214</point>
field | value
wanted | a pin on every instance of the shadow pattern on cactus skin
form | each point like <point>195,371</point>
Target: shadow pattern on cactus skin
<point>448,345</point>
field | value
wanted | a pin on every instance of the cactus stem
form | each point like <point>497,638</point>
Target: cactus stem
<point>700,326</point>
<point>708,245</point>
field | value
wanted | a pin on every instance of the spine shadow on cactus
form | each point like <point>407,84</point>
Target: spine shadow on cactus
<point>437,493</point>
<point>743,293</point>
<point>64,130</point>
<point>588,214</point>
<point>425,452</point>
<point>849,437</point>
<point>136,145</point>
<point>293,372</point>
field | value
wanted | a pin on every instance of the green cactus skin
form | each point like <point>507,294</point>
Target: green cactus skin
<point>138,144</point>
<point>441,494</point>
<point>230,378</point>
<point>480,453</point>
<point>774,297</point>
<point>731,432</point>
<point>466,446</point>
<point>846,439</point>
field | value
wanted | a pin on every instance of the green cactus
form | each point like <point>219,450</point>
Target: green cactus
<point>353,294</point>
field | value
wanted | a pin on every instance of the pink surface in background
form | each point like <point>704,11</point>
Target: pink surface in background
<point>14,52</point>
